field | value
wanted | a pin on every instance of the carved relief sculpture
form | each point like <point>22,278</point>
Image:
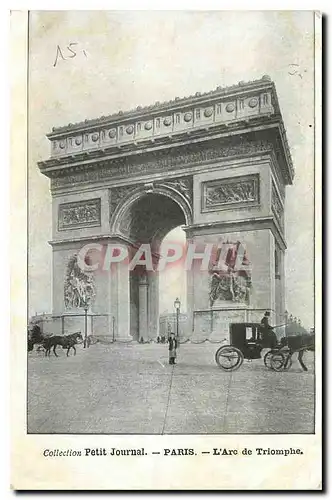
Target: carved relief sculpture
<point>79,287</point>
<point>230,193</point>
<point>118,194</point>
<point>79,214</point>
<point>159,162</point>
<point>227,282</point>
<point>183,185</point>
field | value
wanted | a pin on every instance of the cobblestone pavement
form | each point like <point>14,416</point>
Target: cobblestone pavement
<point>131,388</point>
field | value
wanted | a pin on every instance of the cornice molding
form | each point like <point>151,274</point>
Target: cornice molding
<point>157,145</point>
<point>198,98</point>
<point>90,239</point>
<point>161,162</point>
<point>241,112</point>
<point>253,224</point>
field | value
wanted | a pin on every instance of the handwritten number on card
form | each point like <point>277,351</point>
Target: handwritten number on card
<point>69,53</point>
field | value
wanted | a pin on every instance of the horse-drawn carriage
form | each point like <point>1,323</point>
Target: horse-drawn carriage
<point>247,340</point>
<point>46,342</point>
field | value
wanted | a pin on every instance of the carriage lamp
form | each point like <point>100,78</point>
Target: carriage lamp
<point>177,305</point>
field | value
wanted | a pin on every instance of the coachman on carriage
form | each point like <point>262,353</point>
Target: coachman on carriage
<point>247,340</point>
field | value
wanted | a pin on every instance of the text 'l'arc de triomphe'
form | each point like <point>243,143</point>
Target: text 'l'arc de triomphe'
<point>216,163</point>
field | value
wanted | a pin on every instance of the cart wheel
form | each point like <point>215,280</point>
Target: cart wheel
<point>229,358</point>
<point>278,361</point>
<point>267,359</point>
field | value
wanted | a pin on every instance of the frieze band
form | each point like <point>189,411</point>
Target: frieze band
<point>152,164</point>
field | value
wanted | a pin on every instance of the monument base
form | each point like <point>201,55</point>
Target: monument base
<point>213,324</point>
<point>70,322</point>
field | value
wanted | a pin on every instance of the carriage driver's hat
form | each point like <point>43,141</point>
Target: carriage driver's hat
<point>267,313</point>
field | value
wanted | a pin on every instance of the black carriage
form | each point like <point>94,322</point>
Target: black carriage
<point>247,340</point>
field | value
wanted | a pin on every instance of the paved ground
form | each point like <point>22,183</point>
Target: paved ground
<point>131,388</point>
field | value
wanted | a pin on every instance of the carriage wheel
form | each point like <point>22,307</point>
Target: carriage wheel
<point>229,358</point>
<point>278,361</point>
<point>267,359</point>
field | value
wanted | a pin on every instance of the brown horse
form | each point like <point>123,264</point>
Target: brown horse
<point>299,344</point>
<point>66,341</point>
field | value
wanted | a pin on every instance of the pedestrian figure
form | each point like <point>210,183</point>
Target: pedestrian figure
<point>172,346</point>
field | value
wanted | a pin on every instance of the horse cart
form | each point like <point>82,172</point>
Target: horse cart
<point>247,340</point>
<point>45,343</point>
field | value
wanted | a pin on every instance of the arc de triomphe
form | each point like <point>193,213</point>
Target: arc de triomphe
<point>216,163</point>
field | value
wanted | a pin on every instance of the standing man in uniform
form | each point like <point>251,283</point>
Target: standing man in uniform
<point>172,346</point>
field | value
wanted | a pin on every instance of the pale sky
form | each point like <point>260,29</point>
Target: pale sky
<point>126,59</point>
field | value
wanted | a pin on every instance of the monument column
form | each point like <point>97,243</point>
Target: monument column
<point>123,301</point>
<point>190,295</point>
<point>153,305</point>
<point>143,307</point>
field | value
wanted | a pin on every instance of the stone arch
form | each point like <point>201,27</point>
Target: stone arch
<point>151,188</point>
<point>145,214</point>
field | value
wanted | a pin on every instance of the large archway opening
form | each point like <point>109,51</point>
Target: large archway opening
<point>153,219</point>
<point>173,286</point>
